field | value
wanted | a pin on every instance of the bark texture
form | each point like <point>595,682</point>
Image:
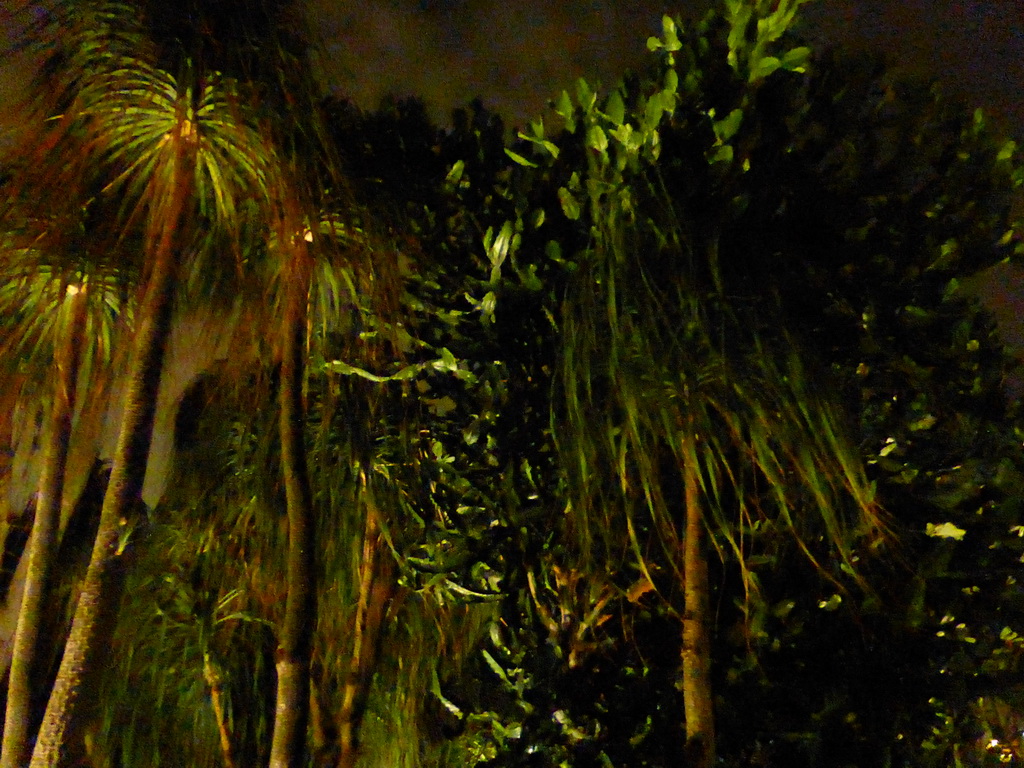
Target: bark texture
<point>698,702</point>
<point>43,541</point>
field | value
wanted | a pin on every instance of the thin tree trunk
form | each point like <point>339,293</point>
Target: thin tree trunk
<point>295,644</point>
<point>376,588</point>
<point>698,703</point>
<point>42,544</point>
<point>122,505</point>
<point>212,675</point>
<point>325,733</point>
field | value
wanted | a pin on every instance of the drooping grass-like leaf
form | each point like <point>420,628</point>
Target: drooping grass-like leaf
<point>649,345</point>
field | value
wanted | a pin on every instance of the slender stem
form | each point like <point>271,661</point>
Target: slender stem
<point>213,679</point>
<point>698,703</point>
<point>376,588</point>
<point>295,644</point>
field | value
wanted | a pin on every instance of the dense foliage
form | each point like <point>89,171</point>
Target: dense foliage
<point>715,316</point>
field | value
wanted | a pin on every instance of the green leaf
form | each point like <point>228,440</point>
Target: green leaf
<point>565,109</point>
<point>625,135</point>
<point>831,604</point>
<point>570,206</point>
<point>596,139</point>
<point>447,363</point>
<point>764,67</point>
<point>670,89</point>
<point>488,305</point>
<point>726,128</point>
<point>614,109</point>
<point>518,159</point>
<point>979,120</point>
<point>538,140</point>
<point>553,250</point>
<point>652,112</point>
<point>498,251</point>
<point>925,422</point>
<point>944,531</point>
<point>339,366</point>
<point>455,174</point>
<point>530,279</point>
<point>795,60</point>
<point>738,14</point>
<point>657,105</point>
<point>585,96</point>
<point>952,287</point>
<point>722,154</point>
<point>496,668</point>
<point>668,27</point>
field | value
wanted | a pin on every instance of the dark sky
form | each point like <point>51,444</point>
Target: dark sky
<point>517,54</point>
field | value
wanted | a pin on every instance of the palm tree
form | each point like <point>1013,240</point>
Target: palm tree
<point>69,309</point>
<point>316,263</point>
<point>174,150</point>
<point>264,50</point>
<point>182,152</point>
<point>44,530</point>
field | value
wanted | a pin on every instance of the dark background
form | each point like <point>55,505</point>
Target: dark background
<point>517,54</point>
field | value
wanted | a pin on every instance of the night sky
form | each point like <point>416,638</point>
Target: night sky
<point>517,54</point>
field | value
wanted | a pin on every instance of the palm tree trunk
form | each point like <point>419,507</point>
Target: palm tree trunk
<point>698,703</point>
<point>376,588</point>
<point>97,606</point>
<point>295,645</point>
<point>44,537</point>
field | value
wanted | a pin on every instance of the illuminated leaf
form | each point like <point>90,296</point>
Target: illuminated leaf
<point>517,158</point>
<point>795,60</point>
<point>831,603</point>
<point>726,128</point>
<point>671,40</point>
<point>615,109</point>
<point>596,139</point>
<point>944,531</point>
<point>570,206</point>
<point>764,67</point>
